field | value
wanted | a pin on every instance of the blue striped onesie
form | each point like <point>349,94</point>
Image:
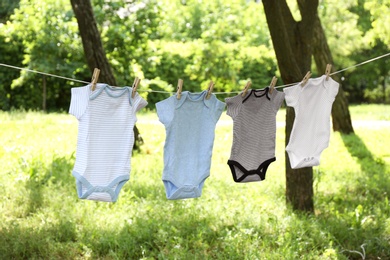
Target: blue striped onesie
<point>105,139</point>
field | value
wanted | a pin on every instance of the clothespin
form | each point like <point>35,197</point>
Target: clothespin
<point>248,84</point>
<point>179,88</point>
<point>272,85</point>
<point>210,90</point>
<point>95,77</point>
<point>327,71</point>
<point>306,78</point>
<point>135,86</point>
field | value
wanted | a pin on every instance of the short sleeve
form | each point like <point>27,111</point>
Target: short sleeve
<point>291,95</point>
<point>79,101</point>
<point>332,88</point>
<point>278,100</point>
<point>165,110</point>
<point>138,103</point>
<point>219,108</point>
<point>233,105</point>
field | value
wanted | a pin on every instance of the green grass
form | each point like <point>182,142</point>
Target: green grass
<point>370,112</point>
<point>41,216</point>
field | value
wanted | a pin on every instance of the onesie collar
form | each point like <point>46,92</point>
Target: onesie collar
<point>193,97</point>
<point>253,91</point>
<point>113,92</point>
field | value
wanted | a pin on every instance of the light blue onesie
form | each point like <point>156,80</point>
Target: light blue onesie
<point>189,124</point>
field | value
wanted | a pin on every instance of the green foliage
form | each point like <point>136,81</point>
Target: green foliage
<point>6,9</point>
<point>352,29</point>
<point>43,218</point>
<point>198,62</point>
<point>370,82</point>
<point>226,21</point>
<point>377,95</point>
<point>161,41</point>
<point>137,38</point>
<point>127,29</point>
<point>14,50</point>
<point>155,85</point>
<point>379,17</point>
<point>47,31</point>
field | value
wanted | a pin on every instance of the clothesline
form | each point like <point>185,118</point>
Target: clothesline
<point>167,92</point>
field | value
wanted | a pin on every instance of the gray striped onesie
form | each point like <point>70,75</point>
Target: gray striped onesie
<point>254,132</point>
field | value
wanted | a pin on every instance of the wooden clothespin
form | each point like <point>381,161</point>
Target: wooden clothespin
<point>328,70</point>
<point>248,84</point>
<point>179,88</point>
<point>95,77</point>
<point>272,85</point>
<point>210,90</point>
<point>135,86</point>
<point>306,78</point>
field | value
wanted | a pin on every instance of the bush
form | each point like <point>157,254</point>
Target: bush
<point>377,95</point>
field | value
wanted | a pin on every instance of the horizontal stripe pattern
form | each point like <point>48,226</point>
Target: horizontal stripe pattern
<point>105,139</point>
<point>254,131</point>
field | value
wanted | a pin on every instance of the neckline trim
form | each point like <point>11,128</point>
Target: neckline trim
<point>114,92</point>
<point>193,97</point>
<point>254,91</point>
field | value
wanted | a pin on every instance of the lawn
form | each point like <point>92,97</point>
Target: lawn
<point>42,218</point>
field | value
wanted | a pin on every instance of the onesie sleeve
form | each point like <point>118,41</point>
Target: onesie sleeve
<point>165,110</point>
<point>139,103</point>
<point>79,101</point>
<point>233,104</point>
<point>278,100</point>
<point>291,95</point>
<point>332,88</point>
<point>219,107</point>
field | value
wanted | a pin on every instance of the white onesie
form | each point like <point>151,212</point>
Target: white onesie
<point>312,104</point>
<point>105,139</point>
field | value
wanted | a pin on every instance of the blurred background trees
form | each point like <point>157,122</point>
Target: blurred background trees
<point>161,41</point>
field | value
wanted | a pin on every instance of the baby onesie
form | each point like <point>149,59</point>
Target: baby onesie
<point>310,134</point>
<point>254,132</point>
<point>105,139</point>
<point>189,124</point>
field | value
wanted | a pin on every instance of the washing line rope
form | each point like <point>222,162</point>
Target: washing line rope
<point>43,73</point>
<point>166,92</point>
<point>339,71</point>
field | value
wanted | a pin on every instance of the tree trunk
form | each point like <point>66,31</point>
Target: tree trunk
<point>341,117</point>
<point>92,44</point>
<point>93,48</point>
<point>292,45</point>
<point>299,182</point>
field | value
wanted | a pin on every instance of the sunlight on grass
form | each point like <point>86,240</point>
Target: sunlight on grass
<point>43,218</point>
<point>370,112</point>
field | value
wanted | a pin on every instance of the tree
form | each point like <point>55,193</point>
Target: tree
<point>371,22</point>
<point>93,48</point>
<point>341,117</point>
<point>92,44</point>
<point>292,43</point>
<point>6,9</point>
<point>40,36</point>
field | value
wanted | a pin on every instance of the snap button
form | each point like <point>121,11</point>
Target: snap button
<point>189,188</point>
<point>99,189</point>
